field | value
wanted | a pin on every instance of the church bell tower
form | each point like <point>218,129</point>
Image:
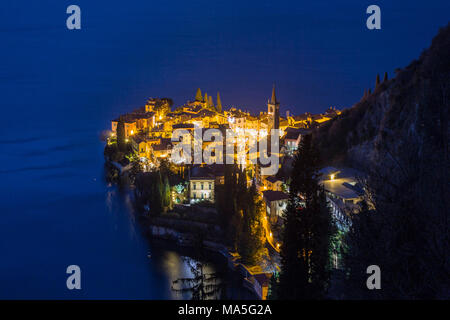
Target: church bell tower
<point>273,112</point>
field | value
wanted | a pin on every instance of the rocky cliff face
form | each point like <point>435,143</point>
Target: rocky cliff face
<point>409,112</point>
<point>398,136</point>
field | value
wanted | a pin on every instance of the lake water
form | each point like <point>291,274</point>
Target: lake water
<point>60,89</point>
<point>57,211</point>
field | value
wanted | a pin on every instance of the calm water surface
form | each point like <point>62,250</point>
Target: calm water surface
<point>57,211</point>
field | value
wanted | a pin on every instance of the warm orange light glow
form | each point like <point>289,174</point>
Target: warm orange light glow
<point>131,132</point>
<point>332,176</point>
<point>270,234</point>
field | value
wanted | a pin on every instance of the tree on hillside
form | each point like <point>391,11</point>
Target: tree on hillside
<point>308,231</point>
<point>210,103</point>
<point>241,193</point>
<point>235,223</point>
<point>168,101</point>
<point>166,194</point>
<point>273,287</point>
<point>198,95</point>
<point>293,278</point>
<point>404,227</point>
<point>252,238</point>
<point>385,78</point>
<point>226,203</point>
<point>149,191</point>
<point>360,251</point>
<point>121,144</point>
<point>219,103</point>
<point>377,81</point>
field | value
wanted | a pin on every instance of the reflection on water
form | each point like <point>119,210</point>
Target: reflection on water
<point>57,215</point>
<point>177,267</point>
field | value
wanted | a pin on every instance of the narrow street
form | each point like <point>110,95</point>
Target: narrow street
<point>273,248</point>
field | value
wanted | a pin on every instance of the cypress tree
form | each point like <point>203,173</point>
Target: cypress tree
<point>251,240</point>
<point>198,95</point>
<point>385,77</point>
<point>360,240</point>
<point>156,197</point>
<point>121,144</point>
<point>227,206</point>
<point>166,199</point>
<point>377,81</point>
<point>308,231</point>
<point>219,103</point>
<point>293,279</point>
<point>273,285</point>
<point>210,103</point>
<point>205,99</point>
<point>149,191</point>
<point>242,189</point>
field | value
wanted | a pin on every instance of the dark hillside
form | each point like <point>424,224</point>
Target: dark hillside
<point>412,107</point>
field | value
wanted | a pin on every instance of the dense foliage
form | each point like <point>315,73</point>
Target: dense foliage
<point>308,231</point>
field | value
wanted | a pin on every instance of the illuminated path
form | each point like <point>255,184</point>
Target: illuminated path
<point>274,251</point>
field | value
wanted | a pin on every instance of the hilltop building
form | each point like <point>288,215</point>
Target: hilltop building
<point>343,191</point>
<point>201,184</point>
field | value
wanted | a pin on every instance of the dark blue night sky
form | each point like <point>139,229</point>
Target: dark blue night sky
<point>59,89</point>
<point>319,53</point>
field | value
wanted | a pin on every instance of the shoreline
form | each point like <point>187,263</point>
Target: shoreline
<point>156,228</point>
<point>235,282</point>
<point>183,240</point>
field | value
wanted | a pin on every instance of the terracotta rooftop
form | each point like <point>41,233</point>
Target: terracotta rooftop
<point>271,195</point>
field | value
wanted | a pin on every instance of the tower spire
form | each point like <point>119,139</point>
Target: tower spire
<point>273,100</point>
